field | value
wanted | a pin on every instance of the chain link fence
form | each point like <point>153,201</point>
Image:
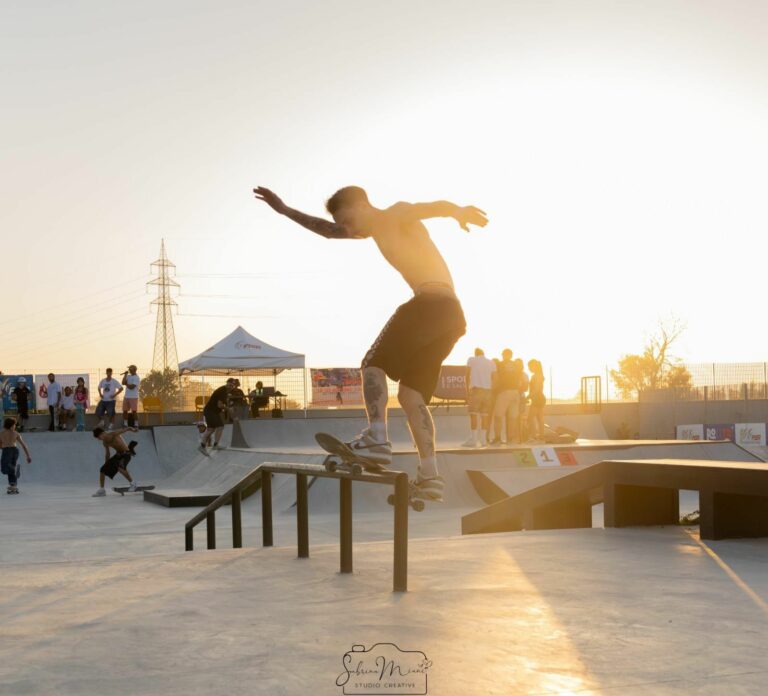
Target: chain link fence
<point>717,382</point>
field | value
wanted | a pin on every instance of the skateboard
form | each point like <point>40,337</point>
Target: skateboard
<point>122,490</point>
<point>342,458</point>
<point>415,502</point>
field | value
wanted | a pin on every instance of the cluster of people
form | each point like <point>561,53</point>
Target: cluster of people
<point>68,405</point>
<point>506,404</point>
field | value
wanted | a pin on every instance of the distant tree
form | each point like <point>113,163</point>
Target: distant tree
<point>655,367</point>
<point>164,384</point>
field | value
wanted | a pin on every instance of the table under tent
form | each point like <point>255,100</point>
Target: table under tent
<point>242,355</point>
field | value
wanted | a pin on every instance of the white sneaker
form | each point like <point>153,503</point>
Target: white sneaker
<point>469,443</point>
<point>479,444</point>
<point>201,448</point>
<point>429,488</point>
<point>368,449</point>
<point>110,428</point>
<point>100,493</point>
<point>132,486</point>
<point>219,447</point>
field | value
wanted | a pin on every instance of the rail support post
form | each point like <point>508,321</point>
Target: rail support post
<point>400,579</point>
<point>237,521</point>
<point>189,543</point>
<point>302,515</point>
<point>210,524</point>
<point>266,508</point>
<point>345,524</point>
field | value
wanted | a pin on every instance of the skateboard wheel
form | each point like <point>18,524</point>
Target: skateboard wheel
<point>330,465</point>
<point>391,498</point>
<point>418,505</point>
<point>356,469</point>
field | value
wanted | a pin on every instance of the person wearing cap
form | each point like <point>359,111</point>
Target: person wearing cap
<point>109,388</point>
<point>214,416</point>
<point>20,395</point>
<point>131,382</point>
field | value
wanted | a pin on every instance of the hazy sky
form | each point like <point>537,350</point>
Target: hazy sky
<point>619,149</point>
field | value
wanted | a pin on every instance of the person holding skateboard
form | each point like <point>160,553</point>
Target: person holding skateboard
<point>421,333</point>
<point>116,463</point>
<point>213,412</point>
<point>9,439</point>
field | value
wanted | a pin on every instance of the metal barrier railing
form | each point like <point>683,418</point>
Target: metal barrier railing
<point>264,473</point>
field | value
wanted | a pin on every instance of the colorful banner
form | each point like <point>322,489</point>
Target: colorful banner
<point>690,432</point>
<point>452,384</point>
<point>68,380</point>
<point>337,386</point>
<point>720,431</point>
<point>750,434</point>
<point>8,383</point>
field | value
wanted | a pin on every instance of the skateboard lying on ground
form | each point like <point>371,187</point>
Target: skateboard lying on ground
<point>122,490</point>
<point>342,458</point>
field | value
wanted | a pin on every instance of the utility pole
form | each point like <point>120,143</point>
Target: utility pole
<point>165,355</point>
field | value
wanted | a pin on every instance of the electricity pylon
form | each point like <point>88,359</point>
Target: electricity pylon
<point>165,354</point>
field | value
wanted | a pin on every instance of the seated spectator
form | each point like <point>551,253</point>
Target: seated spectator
<point>258,399</point>
<point>67,408</point>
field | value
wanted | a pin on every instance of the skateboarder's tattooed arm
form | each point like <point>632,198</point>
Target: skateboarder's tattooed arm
<point>325,228</point>
<point>464,215</point>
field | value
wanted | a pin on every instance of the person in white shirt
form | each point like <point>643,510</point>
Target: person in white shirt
<point>480,372</point>
<point>66,408</point>
<point>109,388</point>
<point>52,392</point>
<point>131,382</point>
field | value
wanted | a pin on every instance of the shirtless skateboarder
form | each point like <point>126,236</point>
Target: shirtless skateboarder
<point>116,463</point>
<point>421,333</point>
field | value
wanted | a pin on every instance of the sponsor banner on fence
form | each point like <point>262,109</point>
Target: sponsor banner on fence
<point>337,386</point>
<point>720,431</point>
<point>68,380</point>
<point>8,383</point>
<point>690,432</point>
<point>452,384</point>
<point>750,433</point>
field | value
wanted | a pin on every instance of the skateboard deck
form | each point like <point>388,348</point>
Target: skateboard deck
<point>122,490</point>
<point>341,457</point>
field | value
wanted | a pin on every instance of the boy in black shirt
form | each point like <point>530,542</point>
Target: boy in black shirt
<point>214,416</point>
<point>21,396</point>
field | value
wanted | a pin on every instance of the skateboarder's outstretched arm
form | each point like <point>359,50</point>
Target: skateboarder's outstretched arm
<point>25,448</point>
<point>325,228</point>
<point>121,431</point>
<point>464,215</point>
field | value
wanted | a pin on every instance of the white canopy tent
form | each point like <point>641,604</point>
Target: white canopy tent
<point>240,353</point>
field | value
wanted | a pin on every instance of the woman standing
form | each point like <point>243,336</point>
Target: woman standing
<point>81,404</point>
<point>538,400</point>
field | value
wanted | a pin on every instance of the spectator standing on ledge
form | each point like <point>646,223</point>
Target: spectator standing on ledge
<point>66,408</point>
<point>109,388</point>
<point>52,393</point>
<point>81,404</point>
<point>20,395</point>
<point>506,407</point>
<point>538,400</point>
<point>480,372</point>
<point>131,382</point>
<point>522,389</point>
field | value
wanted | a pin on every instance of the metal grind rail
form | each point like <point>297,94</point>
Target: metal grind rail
<point>397,479</point>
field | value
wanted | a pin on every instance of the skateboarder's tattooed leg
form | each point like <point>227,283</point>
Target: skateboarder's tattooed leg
<point>422,429</point>
<point>375,395</point>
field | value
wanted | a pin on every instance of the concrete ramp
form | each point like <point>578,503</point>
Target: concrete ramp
<point>75,458</point>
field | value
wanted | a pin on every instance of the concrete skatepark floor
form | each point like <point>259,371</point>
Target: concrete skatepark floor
<point>99,597</point>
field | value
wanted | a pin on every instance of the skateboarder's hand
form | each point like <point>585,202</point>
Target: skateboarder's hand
<point>469,215</point>
<point>29,460</point>
<point>134,430</point>
<point>271,199</point>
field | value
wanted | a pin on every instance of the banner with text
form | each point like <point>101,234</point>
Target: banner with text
<point>337,386</point>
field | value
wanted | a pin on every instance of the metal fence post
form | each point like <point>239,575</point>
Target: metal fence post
<point>266,507</point>
<point>237,522</point>
<point>210,525</point>
<point>345,524</point>
<point>302,515</point>
<point>189,543</point>
<point>400,575</point>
